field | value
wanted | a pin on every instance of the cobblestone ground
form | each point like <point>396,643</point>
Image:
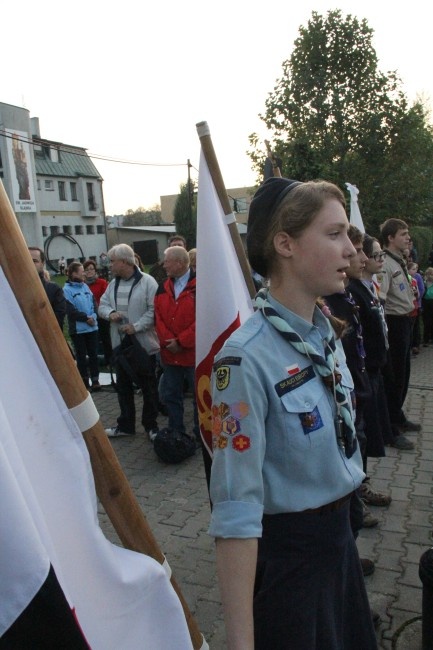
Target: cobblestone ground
<point>175,502</point>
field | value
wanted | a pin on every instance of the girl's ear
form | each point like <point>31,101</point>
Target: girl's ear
<point>283,244</point>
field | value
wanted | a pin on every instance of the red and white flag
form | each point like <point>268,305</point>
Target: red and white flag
<point>48,521</point>
<point>223,300</point>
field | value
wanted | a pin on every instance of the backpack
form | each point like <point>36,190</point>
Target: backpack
<point>172,446</point>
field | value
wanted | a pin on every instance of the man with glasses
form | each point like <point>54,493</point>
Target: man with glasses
<point>398,297</point>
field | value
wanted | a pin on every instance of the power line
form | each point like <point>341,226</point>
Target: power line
<point>64,148</point>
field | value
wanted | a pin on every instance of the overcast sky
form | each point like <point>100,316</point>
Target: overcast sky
<point>130,80</point>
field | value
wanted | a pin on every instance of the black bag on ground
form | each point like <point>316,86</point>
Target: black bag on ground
<point>172,446</point>
<point>133,358</point>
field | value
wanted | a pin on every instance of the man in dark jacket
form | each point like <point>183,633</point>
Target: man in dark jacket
<point>53,291</point>
<point>175,327</point>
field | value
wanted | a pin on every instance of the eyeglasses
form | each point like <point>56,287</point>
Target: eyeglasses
<point>377,257</point>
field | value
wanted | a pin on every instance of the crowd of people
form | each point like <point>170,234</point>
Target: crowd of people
<point>121,305</point>
<point>314,384</point>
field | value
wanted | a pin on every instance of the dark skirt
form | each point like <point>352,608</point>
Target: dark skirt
<point>309,591</point>
<point>377,423</point>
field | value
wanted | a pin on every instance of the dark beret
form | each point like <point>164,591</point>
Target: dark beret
<point>262,208</point>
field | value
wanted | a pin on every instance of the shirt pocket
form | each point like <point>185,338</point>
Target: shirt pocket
<point>308,417</point>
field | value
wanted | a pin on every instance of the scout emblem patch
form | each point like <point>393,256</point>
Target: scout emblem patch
<point>311,421</point>
<point>222,377</point>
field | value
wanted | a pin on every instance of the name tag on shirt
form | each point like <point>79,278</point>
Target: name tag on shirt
<point>295,381</point>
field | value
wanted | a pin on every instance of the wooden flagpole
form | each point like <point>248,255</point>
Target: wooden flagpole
<point>112,487</point>
<point>215,172</point>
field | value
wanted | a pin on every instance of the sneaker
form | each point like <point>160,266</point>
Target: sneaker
<point>115,432</point>
<point>373,498</point>
<point>368,520</point>
<point>152,433</point>
<point>401,442</point>
<point>409,426</point>
<point>367,566</point>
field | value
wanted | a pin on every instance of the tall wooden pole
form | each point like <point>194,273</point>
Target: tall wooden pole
<point>112,487</point>
<point>215,172</point>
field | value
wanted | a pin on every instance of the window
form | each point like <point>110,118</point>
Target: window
<point>73,187</point>
<point>44,231</point>
<point>67,230</point>
<point>90,230</point>
<point>78,230</point>
<point>62,190</point>
<point>49,186</point>
<point>54,230</point>
<point>91,196</point>
<point>100,230</point>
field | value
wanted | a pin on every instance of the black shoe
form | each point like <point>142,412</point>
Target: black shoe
<point>409,426</point>
<point>401,442</point>
<point>375,617</point>
<point>367,566</point>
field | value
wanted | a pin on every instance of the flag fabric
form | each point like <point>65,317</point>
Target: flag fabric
<point>223,301</point>
<point>49,528</point>
<point>355,213</point>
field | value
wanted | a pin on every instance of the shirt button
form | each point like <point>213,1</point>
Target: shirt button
<point>307,405</point>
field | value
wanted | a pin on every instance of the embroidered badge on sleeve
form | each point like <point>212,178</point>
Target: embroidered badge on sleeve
<point>241,442</point>
<point>226,422</point>
<point>222,377</point>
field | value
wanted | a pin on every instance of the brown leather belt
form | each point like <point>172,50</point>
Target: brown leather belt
<point>330,507</point>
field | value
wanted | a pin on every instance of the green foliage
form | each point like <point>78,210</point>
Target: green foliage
<point>423,239</point>
<point>185,214</point>
<point>143,216</point>
<point>334,115</point>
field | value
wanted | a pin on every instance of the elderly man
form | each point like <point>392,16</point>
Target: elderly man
<point>175,326</point>
<point>128,305</point>
<point>54,292</point>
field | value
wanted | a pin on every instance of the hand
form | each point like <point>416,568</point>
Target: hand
<point>128,328</point>
<point>173,346</point>
<point>115,317</point>
<point>90,321</point>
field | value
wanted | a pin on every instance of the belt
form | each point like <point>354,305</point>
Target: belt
<point>330,507</point>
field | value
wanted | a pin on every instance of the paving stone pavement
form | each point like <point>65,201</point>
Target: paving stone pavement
<point>175,502</point>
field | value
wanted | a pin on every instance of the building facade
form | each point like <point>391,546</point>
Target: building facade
<point>55,190</point>
<point>239,197</point>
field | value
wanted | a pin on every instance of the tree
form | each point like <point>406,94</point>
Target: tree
<point>185,214</point>
<point>143,216</point>
<point>334,115</point>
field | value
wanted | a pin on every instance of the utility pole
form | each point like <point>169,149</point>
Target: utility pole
<point>189,189</point>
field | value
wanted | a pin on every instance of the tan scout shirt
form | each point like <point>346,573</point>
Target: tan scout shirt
<point>395,289</point>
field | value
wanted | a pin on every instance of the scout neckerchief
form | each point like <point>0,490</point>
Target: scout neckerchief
<point>324,366</point>
<point>402,262</point>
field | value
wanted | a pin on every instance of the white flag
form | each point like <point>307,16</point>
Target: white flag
<point>355,213</point>
<point>223,301</point>
<point>48,514</point>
